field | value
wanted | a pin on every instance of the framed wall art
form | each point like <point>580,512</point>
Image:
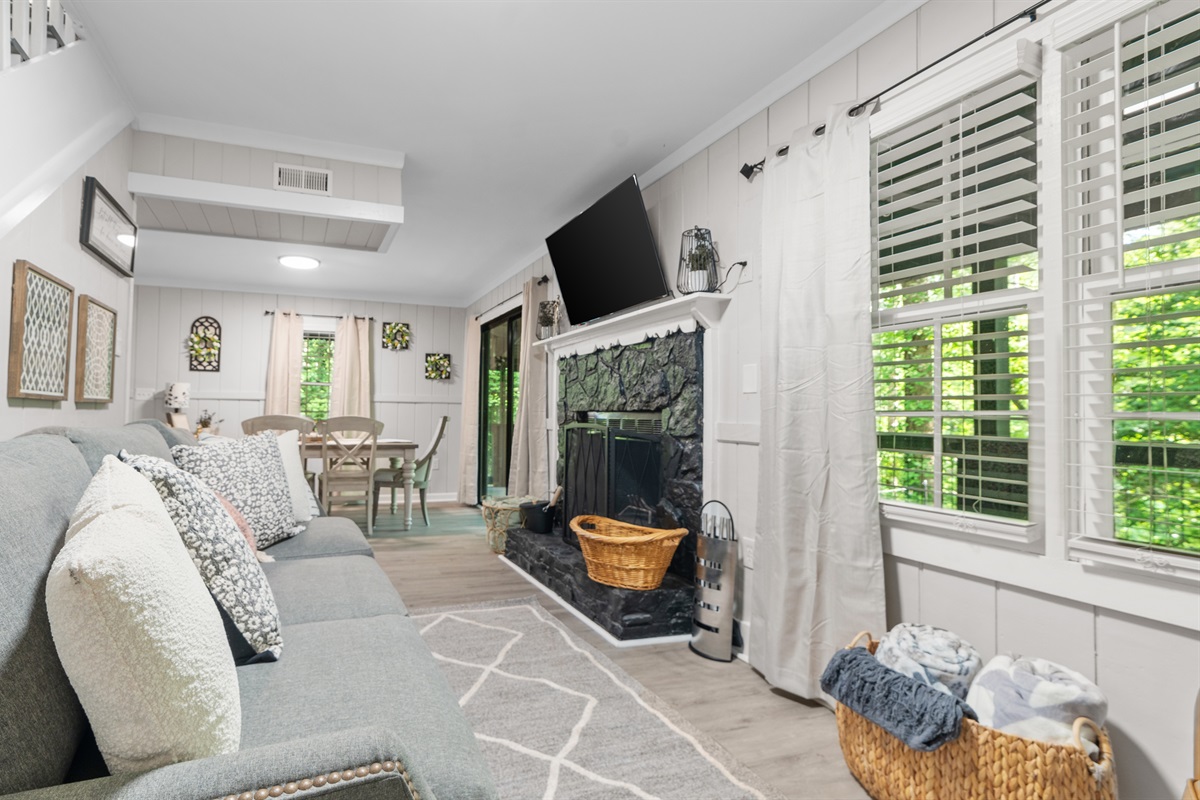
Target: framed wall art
<point>396,335</point>
<point>95,351</point>
<point>437,366</point>
<point>106,230</point>
<point>39,336</point>
<point>204,345</point>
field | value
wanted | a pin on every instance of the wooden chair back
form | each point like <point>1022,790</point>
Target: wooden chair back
<point>278,422</point>
<point>348,443</point>
<point>421,467</point>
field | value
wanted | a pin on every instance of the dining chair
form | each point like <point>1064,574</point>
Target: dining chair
<point>348,459</point>
<point>278,422</point>
<point>393,477</point>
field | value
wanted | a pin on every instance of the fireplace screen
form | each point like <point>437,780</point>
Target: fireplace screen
<point>613,472</point>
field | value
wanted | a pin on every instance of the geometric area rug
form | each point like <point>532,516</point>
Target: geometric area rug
<point>558,720</point>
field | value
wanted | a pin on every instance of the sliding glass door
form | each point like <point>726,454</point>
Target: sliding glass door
<point>500,391</point>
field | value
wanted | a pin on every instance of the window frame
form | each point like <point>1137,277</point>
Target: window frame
<point>978,306</point>
<point>318,328</point>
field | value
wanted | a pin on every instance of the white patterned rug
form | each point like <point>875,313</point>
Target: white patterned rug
<point>557,720</point>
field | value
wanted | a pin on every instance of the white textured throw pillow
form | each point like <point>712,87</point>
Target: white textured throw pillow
<point>138,634</point>
<point>293,468</point>
<point>248,472</point>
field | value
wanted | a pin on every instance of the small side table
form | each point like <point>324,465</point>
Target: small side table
<point>499,514</point>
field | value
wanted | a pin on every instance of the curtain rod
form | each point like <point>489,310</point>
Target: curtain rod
<point>541,280</point>
<point>1031,12</point>
<point>323,316</point>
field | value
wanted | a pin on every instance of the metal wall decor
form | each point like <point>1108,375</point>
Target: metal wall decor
<point>714,632</point>
<point>106,230</point>
<point>95,351</point>
<point>204,345</point>
<point>437,366</point>
<point>396,335</point>
<point>39,337</point>
<point>698,260</point>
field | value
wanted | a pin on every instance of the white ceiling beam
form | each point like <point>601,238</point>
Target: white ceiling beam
<point>145,185</point>
<point>268,140</point>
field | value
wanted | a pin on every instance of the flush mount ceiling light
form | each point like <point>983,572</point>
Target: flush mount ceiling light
<point>299,262</point>
<point>127,239</point>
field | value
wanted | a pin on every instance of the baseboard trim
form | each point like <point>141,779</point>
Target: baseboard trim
<point>603,634</point>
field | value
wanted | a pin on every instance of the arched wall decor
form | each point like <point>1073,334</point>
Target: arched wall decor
<point>204,345</point>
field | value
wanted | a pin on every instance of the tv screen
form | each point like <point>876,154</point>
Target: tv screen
<point>605,259</point>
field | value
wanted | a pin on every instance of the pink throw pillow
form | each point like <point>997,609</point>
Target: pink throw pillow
<point>243,526</point>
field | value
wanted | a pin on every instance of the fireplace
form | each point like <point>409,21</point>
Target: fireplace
<point>614,467</point>
<point>630,433</point>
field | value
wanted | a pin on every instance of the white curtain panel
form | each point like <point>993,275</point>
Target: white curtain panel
<point>468,479</point>
<point>529,471</point>
<point>285,361</point>
<point>350,383</point>
<point>818,572</point>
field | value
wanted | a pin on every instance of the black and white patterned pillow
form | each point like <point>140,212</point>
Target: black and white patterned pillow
<point>220,552</point>
<point>248,472</point>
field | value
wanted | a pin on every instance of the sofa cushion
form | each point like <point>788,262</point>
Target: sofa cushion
<point>351,587</point>
<point>172,436</point>
<point>96,443</point>
<point>40,719</point>
<point>323,536</point>
<point>138,632</point>
<point>226,563</point>
<point>375,671</point>
<point>249,473</point>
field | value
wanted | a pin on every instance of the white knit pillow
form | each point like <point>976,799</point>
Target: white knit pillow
<point>293,468</point>
<point>138,634</point>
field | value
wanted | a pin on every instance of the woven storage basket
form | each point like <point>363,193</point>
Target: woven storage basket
<point>623,555</point>
<point>982,764</point>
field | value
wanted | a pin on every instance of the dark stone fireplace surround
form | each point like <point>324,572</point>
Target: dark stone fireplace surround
<point>662,374</point>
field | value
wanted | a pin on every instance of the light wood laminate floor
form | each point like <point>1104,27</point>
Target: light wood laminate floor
<point>790,743</point>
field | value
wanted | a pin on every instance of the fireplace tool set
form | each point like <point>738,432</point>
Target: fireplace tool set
<point>714,631</point>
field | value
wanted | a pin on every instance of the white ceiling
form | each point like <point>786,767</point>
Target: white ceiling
<point>513,116</point>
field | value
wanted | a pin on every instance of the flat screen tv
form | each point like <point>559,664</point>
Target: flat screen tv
<point>605,258</point>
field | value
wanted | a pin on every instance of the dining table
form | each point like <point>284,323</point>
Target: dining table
<point>402,455</point>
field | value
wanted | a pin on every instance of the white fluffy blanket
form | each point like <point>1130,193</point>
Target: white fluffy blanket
<point>1037,699</point>
<point>931,655</point>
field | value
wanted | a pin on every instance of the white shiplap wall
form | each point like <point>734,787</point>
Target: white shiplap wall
<point>49,238</point>
<point>407,403</point>
<point>1149,670</point>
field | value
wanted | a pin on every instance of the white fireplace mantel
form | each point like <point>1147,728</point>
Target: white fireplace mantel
<point>702,309</point>
<point>687,313</point>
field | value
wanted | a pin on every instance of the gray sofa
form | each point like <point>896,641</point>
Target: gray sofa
<point>356,707</point>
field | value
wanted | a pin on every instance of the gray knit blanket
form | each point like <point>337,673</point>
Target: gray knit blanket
<point>922,717</point>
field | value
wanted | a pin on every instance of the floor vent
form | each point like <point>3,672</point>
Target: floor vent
<point>309,180</point>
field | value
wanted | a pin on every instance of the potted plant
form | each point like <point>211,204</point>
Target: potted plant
<point>697,262</point>
<point>206,423</point>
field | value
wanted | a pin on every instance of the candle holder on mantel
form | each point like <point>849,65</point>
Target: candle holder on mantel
<point>698,260</point>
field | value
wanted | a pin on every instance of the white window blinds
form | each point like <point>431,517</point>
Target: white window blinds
<point>1131,128</point>
<point>956,199</point>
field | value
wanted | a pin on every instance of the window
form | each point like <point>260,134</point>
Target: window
<point>1132,280</point>
<point>315,375</point>
<point>956,219</point>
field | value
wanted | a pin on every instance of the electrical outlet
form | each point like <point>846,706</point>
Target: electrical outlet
<point>748,553</point>
<point>436,462</point>
<point>143,393</point>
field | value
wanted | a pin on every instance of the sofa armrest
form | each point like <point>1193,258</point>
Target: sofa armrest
<point>358,763</point>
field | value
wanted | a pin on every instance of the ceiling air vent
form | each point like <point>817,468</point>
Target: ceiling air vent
<point>309,180</point>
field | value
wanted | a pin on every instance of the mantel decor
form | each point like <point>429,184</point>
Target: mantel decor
<point>437,366</point>
<point>204,345</point>
<point>105,230</point>
<point>95,351</point>
<point>39,337</point>
<point>396,335</point>
<point>698,262</point>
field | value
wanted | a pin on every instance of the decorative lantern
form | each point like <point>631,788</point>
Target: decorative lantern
<point>178,395</point>
<point>698,262</point>
<point>547,319</point>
